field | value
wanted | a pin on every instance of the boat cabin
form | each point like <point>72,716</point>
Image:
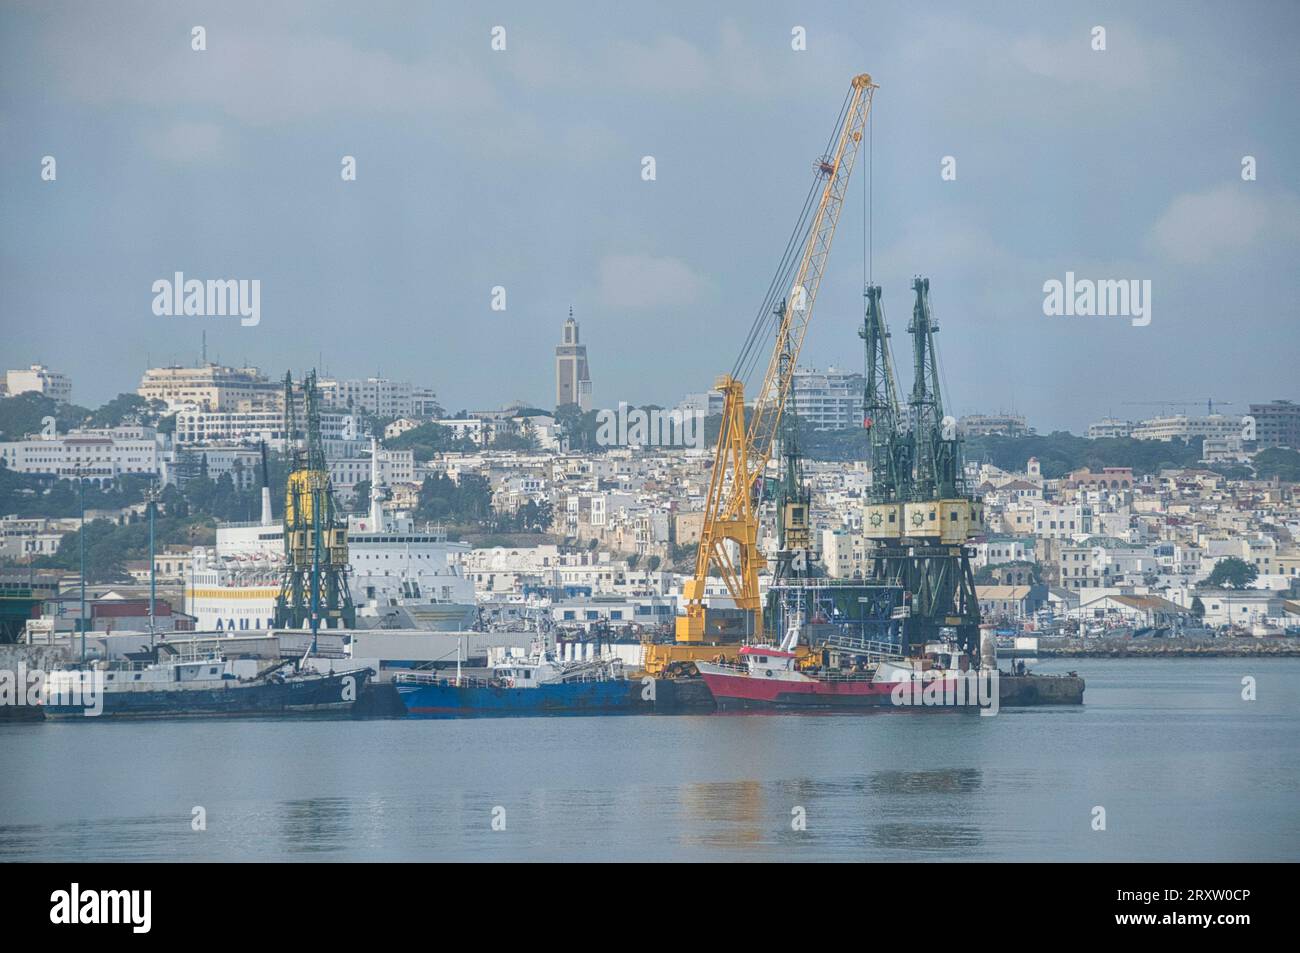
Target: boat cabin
<point>767,658</point>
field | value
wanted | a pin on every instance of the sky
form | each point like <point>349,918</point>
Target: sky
<point>522,169</point>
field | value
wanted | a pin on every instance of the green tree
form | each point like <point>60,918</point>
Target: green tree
<point>580,428</point>
<point>513,441</point>
<point>117,410</point>
<point>1232,573</point>
<point>994,574</point>
<point>1277,462</point>
<point>444,500</point>
<point>25,414</point>
<point>428,440</point>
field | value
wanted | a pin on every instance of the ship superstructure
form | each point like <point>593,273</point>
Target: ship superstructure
<point>399,573</point>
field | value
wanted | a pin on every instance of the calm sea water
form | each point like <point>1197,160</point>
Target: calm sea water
<point>1185,769</point>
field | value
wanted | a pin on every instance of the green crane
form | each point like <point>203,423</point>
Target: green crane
<point>918,512</point>
<point>891,463</point>
<point>937,474</point>
<point>314,588</point>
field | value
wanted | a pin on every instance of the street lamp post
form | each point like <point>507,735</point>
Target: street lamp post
<point>81,534</point>
<point>315,568</point>
<point>153,573</point>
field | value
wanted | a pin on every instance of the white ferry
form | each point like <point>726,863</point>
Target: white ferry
<point>403,575</point>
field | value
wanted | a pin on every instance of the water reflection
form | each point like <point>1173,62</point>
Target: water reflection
<point>751,814</point>
<point>144,838</point>
<point>316,825</point>
<point>931,837</point>
<point>940,781</point>
<point>686,788</point>
<point>723,813</point>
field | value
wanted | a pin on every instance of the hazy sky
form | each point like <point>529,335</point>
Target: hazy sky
<point>522,169</point>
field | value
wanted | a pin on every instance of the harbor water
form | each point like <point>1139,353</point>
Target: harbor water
<point>1183,767</point>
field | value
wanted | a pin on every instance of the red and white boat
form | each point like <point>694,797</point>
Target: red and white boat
<point>765,676</point>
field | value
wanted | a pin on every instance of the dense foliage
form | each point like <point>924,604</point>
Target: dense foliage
<point>1232,573</point>
<point>428,440</point>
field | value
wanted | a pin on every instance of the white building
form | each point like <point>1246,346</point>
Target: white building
<point>996,550</point>
<point>830,400</point>
<point>424,403</point>
<point>210,387</point>
<point>467,428</point>
<point>400,426</point>
<point>100,456</point>
<point>397,568</point>
<point>1183,427</point>
<point>373,395</point>
<point>27,537</point>
<point>39,379</point>
<point>395,466</point>
<point>1242,607</point>
<point>1061,520</point>
<point>1103,563</point>
<point>222,427</point>
<point>844,554</point>
<point>1011,425</point>
<point>1110,427</point>
<point>707,404</point>
<point>243,464</point>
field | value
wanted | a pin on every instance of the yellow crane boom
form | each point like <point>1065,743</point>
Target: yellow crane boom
<point>742,453</point>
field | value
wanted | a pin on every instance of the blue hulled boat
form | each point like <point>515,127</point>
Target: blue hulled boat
<point>537,684</point>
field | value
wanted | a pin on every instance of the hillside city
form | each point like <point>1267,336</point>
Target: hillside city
<point>1183,522</point>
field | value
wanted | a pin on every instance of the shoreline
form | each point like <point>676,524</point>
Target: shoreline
<point>1170,648</point>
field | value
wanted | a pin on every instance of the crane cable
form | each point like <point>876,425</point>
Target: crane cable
<point>780,278</point>
<point>751,351</point>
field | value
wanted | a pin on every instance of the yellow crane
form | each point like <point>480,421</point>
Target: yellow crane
<point>744,449</point>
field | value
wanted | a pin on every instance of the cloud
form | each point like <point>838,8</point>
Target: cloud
<point>187,142</point>
<point>1199,227</point>
<point>668,64</point>
<point>635,282</point>
<point>263,78</point>
<point>968,73</point>
<point>1130,61</point>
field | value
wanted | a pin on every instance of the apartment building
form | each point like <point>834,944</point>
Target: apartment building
<point>1061,520</point>
<point>210,387</point>
<point>1183,427</point>
<point>98,456</point>
<point>38,379</point>
<point>828,400</point>
<point>222,427</point>
<point>377,396</point>
<point>1110,427</point>
<point>1010,425</point>
<point>1277,424</point>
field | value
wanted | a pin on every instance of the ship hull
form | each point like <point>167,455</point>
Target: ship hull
<point>446,699</point>
<point>327,693</point>
<point>744,691</point>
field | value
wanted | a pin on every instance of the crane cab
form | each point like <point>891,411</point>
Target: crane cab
<point>950,521</point>
<point>883,520</point>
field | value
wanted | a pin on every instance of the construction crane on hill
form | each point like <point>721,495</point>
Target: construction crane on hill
<point>729,537</point>
<point>1210,403</point>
